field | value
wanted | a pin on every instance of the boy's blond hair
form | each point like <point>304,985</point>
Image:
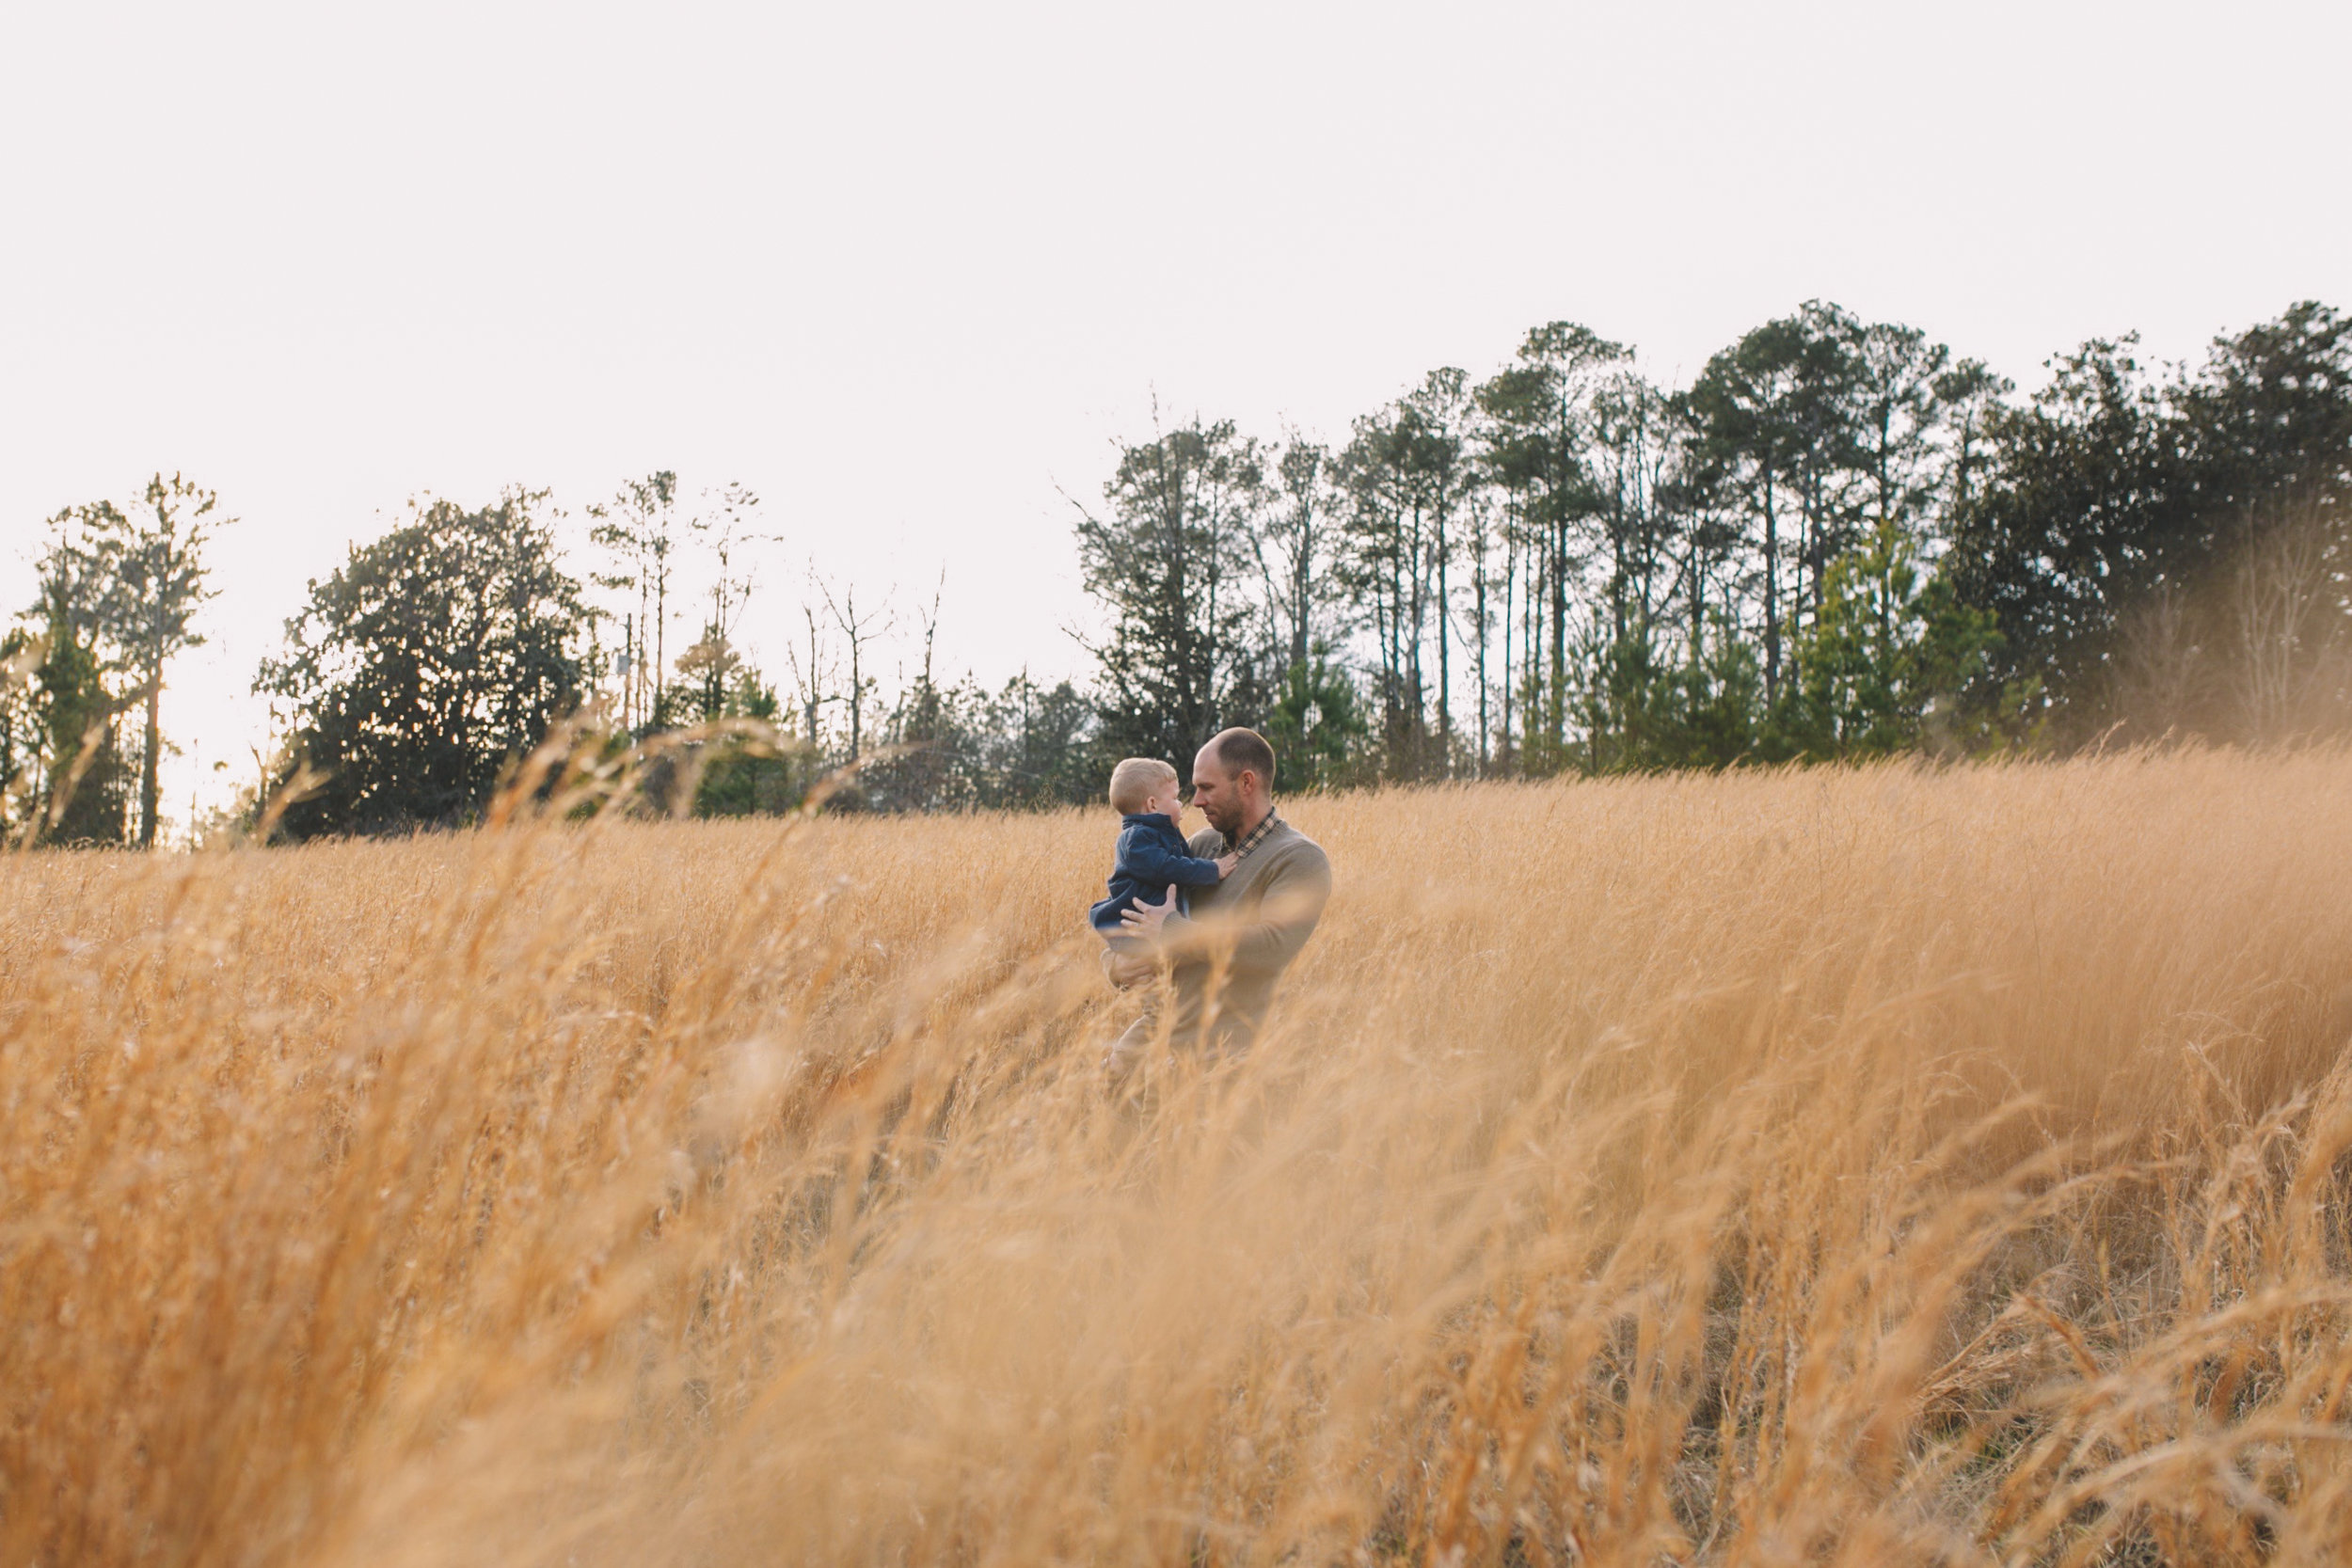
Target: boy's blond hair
<point>1135,780</point>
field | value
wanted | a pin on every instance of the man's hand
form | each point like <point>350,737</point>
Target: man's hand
<point>1145,920</point>
<point>1225,864</point>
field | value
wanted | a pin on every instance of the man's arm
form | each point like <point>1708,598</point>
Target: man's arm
<point>1295,892</point>
<point>1296,895</point>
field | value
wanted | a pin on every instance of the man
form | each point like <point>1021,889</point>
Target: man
<point>1226,955</point>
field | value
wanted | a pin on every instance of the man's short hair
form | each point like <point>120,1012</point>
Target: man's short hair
<point>1242,749</point>
<point>1135,780</point>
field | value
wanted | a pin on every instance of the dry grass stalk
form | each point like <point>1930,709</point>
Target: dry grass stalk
<point>1864,1167</point>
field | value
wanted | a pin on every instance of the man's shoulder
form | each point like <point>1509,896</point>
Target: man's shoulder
<point>1289,832</point>
<point>1290,845</point>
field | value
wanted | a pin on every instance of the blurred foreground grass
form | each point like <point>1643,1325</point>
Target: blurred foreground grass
<point>1865,1166</point>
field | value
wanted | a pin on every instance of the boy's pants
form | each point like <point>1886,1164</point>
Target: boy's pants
<point>1127,1052</point>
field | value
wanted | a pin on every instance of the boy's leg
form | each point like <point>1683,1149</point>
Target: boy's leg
<point>1128,1052</point>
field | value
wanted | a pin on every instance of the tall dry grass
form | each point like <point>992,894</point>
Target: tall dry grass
<point>1861,1167</point>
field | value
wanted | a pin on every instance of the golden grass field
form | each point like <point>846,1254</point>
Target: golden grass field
<point>1877,1166</point>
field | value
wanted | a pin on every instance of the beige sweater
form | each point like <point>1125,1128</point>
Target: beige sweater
<point>1242,934</point>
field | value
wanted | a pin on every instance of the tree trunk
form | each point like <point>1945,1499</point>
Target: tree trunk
<point>1445,663</point>
<point>637,676</point>
<point>1510,583</point>
<point>1302,595</point>
<point>1555,707</point>
<point>1771,596</point>
<point>1699,599</point>
<point>1417,578</point>
<point>1478,587</point>
<point>154,741</point>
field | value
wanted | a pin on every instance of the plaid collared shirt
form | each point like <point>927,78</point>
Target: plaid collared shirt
<point>1255,836</point>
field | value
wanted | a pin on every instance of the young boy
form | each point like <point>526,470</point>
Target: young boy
<point>1150,847</point>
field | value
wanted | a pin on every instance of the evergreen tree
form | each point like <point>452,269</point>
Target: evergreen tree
<point>1889,655</point>
<point>67,782</point>
<point>86,783</point>
<point>1536,443</point>
<point>1408,482</point>
<point>1167,558</point>
<point>1316,724</point>
<point>2087,506</point>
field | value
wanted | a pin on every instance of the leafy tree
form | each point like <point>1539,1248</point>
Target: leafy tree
<point>961,748</point>
<point>2088,506</point>
<point>2114,498</point>
<point>433,656</point>
<point>20,731</point>
<point>1796,557</point>
<point>1768,413</point>
<point>1445,481</point>
<point>67,782</point>
<point>1901,387</point>
<point>710,671</point>
<point>1723,693</point>
<point>153,583</point>
<point>742,777</point>
<point>1888,647</point>
<point>638,527</point>
<point>1292,547</point>
<point>116,597</point>
<point>1701,524</point>
<point>1316,724</point>
<point>2270,418</point>
<point>86,781</point>
<point>1819,426</point>
<point>2256,648</point>
<point>1408,479</point>
<point>709,667</point>
<point>1625,697</point>
<point>931,730</point>
<point>1972,398</point>
<point>1639,709</point>
<point>1535,444</point>
<point>1634,451</point>
<point>2286,622</point>
<point>1045,751</point>
<point>1167,560</point>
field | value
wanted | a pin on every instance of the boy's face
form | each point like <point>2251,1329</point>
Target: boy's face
<point>1170,801</point>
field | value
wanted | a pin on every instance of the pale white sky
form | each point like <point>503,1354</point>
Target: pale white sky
<point>905,269</point>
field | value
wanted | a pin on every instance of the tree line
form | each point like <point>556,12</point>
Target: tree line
<point>1840,540</point>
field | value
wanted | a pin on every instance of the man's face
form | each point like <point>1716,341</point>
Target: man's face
<point>1216,792</point>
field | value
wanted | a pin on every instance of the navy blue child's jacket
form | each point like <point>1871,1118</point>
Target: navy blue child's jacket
<point>1150,856</point>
